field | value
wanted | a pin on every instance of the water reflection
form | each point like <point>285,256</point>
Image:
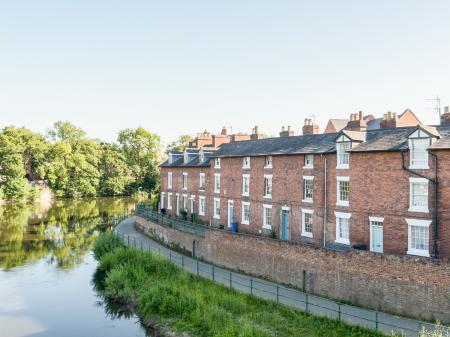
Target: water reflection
<point>61,233</point>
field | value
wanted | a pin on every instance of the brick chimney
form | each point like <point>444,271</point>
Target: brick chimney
<point>203,139</point>
<point>255,134</point>
<point>445,117</point>
<point>389,120</point>
<point>237,137</point>
<point>357,122</point>
<point>286,133</point>
<point>309,128</point>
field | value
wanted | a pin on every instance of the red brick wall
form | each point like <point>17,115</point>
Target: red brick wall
<point>404,285</point>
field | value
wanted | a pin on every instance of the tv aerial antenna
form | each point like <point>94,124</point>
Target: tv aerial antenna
<point>437,104</point>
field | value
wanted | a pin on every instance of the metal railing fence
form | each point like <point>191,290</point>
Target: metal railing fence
<point>297,299</point>
<point>182,225</point>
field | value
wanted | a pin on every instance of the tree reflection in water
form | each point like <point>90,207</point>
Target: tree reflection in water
<point>62,233</point>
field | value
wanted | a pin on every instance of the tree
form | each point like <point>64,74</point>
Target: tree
<point>180,144</point>
<point>142,151</point>
<point>73,169</point>
<point>115,175</point>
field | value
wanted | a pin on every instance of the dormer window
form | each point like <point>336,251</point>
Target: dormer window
<point>217,163</point>
<point>246,162</point>
<point>343,145</point>
<point>201,156</point>
<point>185,157</point>
<point>418,142</point>
<point>268,162</point>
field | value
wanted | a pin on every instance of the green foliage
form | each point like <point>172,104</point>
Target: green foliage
<point>165,293</point>
<point>75,166</point>
<point>180,144</point>
<point>106,243</point>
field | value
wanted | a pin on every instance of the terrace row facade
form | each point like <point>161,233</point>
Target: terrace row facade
<point>384,190</point>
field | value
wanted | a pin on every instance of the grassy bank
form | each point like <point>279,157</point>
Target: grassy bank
<point>167,296</point>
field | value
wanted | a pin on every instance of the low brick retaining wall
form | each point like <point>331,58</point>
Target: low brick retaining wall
<point>403,285</point>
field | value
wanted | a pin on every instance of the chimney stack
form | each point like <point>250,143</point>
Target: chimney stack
<point>445,117</point>
<point>309,128</point>
<point>357,122</point>
<point>389,120</point>
<point>286,133</point>
<point>255,135</point>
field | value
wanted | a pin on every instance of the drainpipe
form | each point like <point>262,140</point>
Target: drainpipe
<point>435,183</point>
<point>325,200</point>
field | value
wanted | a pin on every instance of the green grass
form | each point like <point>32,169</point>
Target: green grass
<point>165,293</point>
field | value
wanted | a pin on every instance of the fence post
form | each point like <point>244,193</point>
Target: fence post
<point>170,255</point>
<point>306,302</point>
<point>182,262</point>
<point>251,286</point>
<point>128,240</point>
<point>213,278</point>
<point>134,245</point>
<point>231,280</point>
<point>376,320</point>
<point>278,293</point>
<point>159,251</point>
<point>197,268</point>
<point>142,248</point>
<point>339,311</point>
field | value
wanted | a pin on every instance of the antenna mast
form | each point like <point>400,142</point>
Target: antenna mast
<point>437,104</point>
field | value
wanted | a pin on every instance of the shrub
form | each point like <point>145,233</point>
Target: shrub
<point>441,331</point>
<point>106,243</point>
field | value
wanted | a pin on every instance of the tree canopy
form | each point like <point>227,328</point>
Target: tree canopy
<point>75,166</point>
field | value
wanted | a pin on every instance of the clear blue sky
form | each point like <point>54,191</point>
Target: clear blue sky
<point>178,67</point>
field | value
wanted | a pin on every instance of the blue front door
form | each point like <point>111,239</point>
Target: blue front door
<point>285,224</point>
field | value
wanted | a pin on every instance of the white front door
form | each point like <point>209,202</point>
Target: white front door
<point>178,204</point>
<point>192,205</point>
<point>376,238</point>
<point>230,212</point>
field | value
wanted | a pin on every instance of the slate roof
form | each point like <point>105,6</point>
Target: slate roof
<point>320,143</point>
<point>385,140</point>
<point>194,159</point>
<point>442,143</point>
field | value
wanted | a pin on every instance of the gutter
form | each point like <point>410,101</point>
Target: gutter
<point>435,183</point>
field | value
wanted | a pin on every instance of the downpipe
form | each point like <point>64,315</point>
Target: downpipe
<point>325,201</point>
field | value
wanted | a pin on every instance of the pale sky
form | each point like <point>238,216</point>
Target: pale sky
<point>178,67</point>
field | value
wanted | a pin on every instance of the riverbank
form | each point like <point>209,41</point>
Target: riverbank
<point>166,296</point>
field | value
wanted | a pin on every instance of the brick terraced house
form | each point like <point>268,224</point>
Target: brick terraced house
<point>386,190</point>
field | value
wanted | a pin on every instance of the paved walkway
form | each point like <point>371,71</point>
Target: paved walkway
<point>269,290</point>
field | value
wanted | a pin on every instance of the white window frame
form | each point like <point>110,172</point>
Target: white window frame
<point>339,165</point>
<point>202,181</point>
<point>268,162</point>
<point>162,201</point>
<point>177,206</point>
<point>169,200</point>
<point>215,214</point>
<point>269,177</point>
<point>201,205</point>
<point>304,232</point>
<point>340,202</point>
<point>201,156</point>
<point>217,163</point>
<point>192,199</point>
<point>412,182</point>
<point>216,182</point>
<point>265,225</point>
<point>418,223</point>
<point>246,177</point>
<point>418,135</point>
<point>185,157</point>
<point>347,216</point>
<point>169,180</point>
<point>308,162</point>
<point>243,220</point>
<point>185,181</point>
<point>309,178</point>
<point>246,162</point>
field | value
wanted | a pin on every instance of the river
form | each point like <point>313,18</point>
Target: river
<point>46,270</point>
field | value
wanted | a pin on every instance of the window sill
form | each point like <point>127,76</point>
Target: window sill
<point>343,167</point>
<point>246,167</point>
<point>169,208</point>
<point>308,167</point>
<point>343,203</point>
<point>419,167</point>
<point>343,241</point>
<point>418,210</point>
<point>245,223</point>
<point>201,214</point>
<point>267,226</point>
<point>267,196</point>
<point>418,252</point>
<point>217,217</point>
<point>309,201</point>
<point>268,167</point>
<point>218,192</point>
<point>307,235</point>
<point>245,195</point>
